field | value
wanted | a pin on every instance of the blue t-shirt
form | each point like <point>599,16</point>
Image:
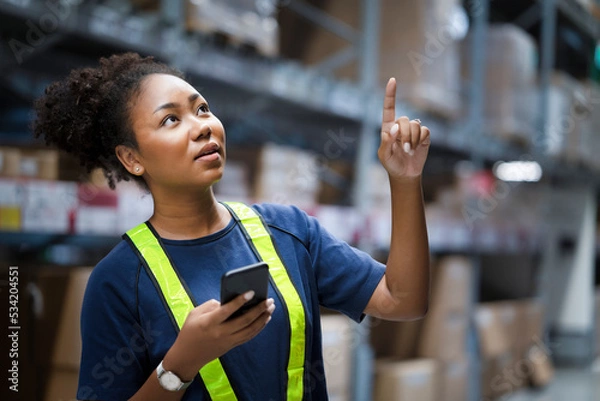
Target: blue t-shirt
<point>126,329</point>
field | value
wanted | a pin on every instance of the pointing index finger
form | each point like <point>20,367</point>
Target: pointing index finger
<point>389,102</point>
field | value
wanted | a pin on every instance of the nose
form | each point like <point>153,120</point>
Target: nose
<point>204,131</point>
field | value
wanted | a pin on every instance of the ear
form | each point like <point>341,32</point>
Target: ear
<point>129,159</point>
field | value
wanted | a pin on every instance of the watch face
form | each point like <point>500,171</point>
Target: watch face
<point>170,382</point>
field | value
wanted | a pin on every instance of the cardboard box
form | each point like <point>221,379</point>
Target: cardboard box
<point>417,46</point>
<point>452,285</point>
<point>42,164</point>
<point>510,76</point>
<point>62,385</point>
<point>242,21</point>
<point>337,335</point>
<point>67,348</point>
<point>287,175</point>
<point>407,381</point>
<point>497,376</point>
<point>511,58</point>
<point>48,206</point>
<point>454,380</point>
<point>542,370</point>
<point>444,336</point>
<point>397,340</point>
<point>494,322</point>
<point>10,162</point>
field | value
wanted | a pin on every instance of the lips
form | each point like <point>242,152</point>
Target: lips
<point>207,150</point>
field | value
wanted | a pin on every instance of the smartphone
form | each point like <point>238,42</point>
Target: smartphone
<point>254,277</point>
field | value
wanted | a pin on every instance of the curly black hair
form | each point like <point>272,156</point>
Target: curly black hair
<point>87,113</point>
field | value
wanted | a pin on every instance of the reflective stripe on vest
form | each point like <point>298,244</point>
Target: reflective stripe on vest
<point>263,243</point>
<point>180,304</point>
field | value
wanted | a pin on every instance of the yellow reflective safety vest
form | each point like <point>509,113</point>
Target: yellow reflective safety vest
<point>180,304</point>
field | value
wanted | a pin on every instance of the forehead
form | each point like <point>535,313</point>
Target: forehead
<point>157,89</point>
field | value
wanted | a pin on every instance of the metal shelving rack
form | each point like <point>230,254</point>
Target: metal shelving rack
<point>268,93</point>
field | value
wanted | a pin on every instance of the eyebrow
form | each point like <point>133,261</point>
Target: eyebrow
<point>192,98</point>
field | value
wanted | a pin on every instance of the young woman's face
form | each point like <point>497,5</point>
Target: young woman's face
<point>181,143</point>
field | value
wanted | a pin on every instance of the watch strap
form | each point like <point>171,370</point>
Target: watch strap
<point>160,370</point>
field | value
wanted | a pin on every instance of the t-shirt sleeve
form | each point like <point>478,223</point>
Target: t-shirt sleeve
<point>113,341</point>
<point>346,277</point>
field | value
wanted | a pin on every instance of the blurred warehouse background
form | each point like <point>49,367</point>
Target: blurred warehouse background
<point>510,90</point>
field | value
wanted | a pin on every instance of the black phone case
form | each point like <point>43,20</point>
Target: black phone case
<point>253,277</point>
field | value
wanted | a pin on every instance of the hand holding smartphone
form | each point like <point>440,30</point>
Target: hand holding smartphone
<point>235,282</point>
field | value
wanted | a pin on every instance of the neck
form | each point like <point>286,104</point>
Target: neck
<point>188,215</point>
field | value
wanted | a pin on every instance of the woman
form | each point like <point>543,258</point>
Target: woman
<point>148,338</point>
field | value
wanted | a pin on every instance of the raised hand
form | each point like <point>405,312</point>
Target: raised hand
<point>404,142</point>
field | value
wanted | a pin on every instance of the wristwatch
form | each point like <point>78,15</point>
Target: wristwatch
<point>169,380</point>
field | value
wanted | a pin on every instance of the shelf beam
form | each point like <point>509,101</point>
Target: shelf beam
<point>325,21</point>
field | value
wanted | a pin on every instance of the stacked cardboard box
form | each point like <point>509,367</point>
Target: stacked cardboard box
<point>287,175</point>
<point>418,46</point>
<point>589,120</point>
<point>439,341</point>
<point>337,335</point>
<point>445,328</point>
<point>64,369</point>
<point>30,163</point>
<point>510,334</point>
<point>407,380</point>
<point>245,22</point>
<point>510,68</point>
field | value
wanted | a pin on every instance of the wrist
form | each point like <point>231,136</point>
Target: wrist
<point>405,180</point>
<point>176,364</point>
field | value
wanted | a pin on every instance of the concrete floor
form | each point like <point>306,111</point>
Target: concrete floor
<point>568,385</point>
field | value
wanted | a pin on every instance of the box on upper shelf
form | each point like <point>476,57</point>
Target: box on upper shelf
<point>418,45</point>
<point>510,75</point>
<point>243,22</point>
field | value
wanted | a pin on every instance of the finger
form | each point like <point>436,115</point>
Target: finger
<point>245,320</point>
<point>230,307</point>
<point>389,104</point>
<point>425,136</point>
<point>253,329</point>
<point>404,136</point>
<point>415,134</point>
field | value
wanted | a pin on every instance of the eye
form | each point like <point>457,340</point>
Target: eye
<point>203,108</point>
<point>168,121</point>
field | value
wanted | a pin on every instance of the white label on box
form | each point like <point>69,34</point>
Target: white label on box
<point>484,317</point>
<point>11,193</point>
<point>47,206</point>
<point>100,220</point>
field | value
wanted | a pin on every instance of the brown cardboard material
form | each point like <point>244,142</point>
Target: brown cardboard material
<point>416,46</point>
<point>454,380</point>
<point>337,334</point>
<point>398,340</point>
<point>67,348</point>
<point>407,381</point>
<point>444,337</point>
<point>62,385</point>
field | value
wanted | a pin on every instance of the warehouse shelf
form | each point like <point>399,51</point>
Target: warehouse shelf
<point>580,17</point>
<point>283,101</point>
